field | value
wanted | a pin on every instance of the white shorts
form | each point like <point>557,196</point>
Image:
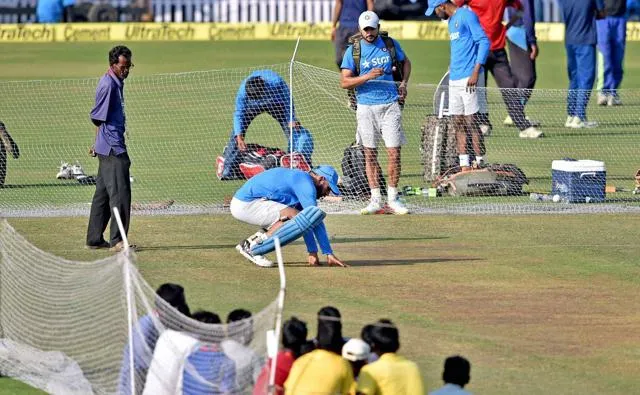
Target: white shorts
<point>462,102</point>
<point>380,120</point>
<point>260,212</point>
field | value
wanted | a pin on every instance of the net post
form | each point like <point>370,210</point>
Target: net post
<point>435,140</point>
<point>125,240</point>
<point>279,309</point>
<point>126,268</point>
<point>291,62</point>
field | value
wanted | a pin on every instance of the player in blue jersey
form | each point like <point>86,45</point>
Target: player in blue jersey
<point>469,51</point>
<point>263,91</point>
<point>284,201</point>
<point>378,113</point>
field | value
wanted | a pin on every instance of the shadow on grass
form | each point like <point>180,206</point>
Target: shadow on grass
<point>337,240</point>
<point>391,262</point>
<point>45,185</point>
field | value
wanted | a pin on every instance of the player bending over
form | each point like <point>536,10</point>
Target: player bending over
<point>264,91</point>
<point>284,201</point>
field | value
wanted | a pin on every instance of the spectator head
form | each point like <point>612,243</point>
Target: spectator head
<point>330,330</point>
<point>357,352</point>
<point>385,337</point>
<point>255,88</point>
<point>240,326</point>
<point>174,295</point>
<point>457,370</point>
<point>207,317</point>
<point>294,335</point>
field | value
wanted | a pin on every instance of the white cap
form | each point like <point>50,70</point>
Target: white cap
<point>356,350</point>
<point>368,19</point>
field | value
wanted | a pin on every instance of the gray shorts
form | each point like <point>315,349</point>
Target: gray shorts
<point>380,121</point>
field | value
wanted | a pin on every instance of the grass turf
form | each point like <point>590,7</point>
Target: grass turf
<point>539,304</point>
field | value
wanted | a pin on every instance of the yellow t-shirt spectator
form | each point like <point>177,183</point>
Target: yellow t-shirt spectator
<point>390,375</point>
<point>320,372</point>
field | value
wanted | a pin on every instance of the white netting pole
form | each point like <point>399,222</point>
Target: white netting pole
<point>126,267</point>
<point>437,132</point>
<point>293,59</point>
<point>116,214</point>
<point>279,309</point>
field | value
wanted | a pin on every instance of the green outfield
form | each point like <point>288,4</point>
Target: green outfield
<point>539,304</point>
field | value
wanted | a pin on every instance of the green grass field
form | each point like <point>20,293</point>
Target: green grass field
<point>539,304</point>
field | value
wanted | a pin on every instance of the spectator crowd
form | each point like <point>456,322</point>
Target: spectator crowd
<point>177,351</point>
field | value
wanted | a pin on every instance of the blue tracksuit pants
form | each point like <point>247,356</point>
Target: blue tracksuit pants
<point>581,66</point>
<point>612,33</point>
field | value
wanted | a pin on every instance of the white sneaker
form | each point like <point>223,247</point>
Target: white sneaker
<point>508,121</point>
<point>614,101</point>
<point>244,249</point>
<point>569,121</point>
<point>66,171</point>
<point>373,207</point>
<point>531,133</point>
<point>602,99</point>
<point>77,171</point>
<point>577,123</point>
<point>397,207</point>
<point>485,130</point>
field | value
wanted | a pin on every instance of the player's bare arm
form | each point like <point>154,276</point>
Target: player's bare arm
<point>337,10</point>
<point>406,73</point>
<point>349,81</point>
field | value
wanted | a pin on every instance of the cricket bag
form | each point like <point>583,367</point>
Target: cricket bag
<point>492,180</point>
<point>354,175</point>
<point>437,147</point>
<point>257,158</point>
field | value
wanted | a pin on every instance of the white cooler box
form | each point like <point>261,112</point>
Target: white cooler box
<point>579,181</point>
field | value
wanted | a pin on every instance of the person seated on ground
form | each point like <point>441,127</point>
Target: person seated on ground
<point>264,91</point>
<point>456,374</point>
<point>392,374</point>
<point>365,335</point>
<point>294,337</point>
<point>323,371</point>
<point>357,352</point>
<point>147,331</point>
<point>207,369</point>
<point>236,347</point>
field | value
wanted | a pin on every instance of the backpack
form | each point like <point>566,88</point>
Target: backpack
<point>354,175</point>
<point>396,66</point>
<point>492,180</point>
<point>391,47</point>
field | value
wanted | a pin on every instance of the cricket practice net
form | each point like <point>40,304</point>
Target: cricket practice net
<point>178,124</point>
<point>70,327</point>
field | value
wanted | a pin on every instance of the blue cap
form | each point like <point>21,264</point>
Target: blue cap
<point>433,4</point>
<point>330,174</point>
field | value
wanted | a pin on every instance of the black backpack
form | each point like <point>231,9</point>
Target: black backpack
<point>354,175</point>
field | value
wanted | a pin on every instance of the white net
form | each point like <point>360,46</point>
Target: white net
<point>180,123</point>
<point>64,329</point>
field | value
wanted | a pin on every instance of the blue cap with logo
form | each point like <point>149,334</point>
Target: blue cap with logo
<point>433,4</point>
<point>331,175</point>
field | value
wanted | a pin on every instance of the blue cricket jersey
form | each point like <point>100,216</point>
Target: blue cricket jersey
<point>580,21</point>
<point>374,55</point>
<point>292,187</point>
<point>212,365</point>
<point>275,102</point>
<point>469,44</point>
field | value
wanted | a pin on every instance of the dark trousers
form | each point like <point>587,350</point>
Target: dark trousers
<point>342,41</point>
<point>498,65</point>
<point>523,69</point>
<point>113,189</point>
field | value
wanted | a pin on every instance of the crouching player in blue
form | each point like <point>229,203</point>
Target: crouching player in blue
<point>284,201</point>
<point>263,91</point>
